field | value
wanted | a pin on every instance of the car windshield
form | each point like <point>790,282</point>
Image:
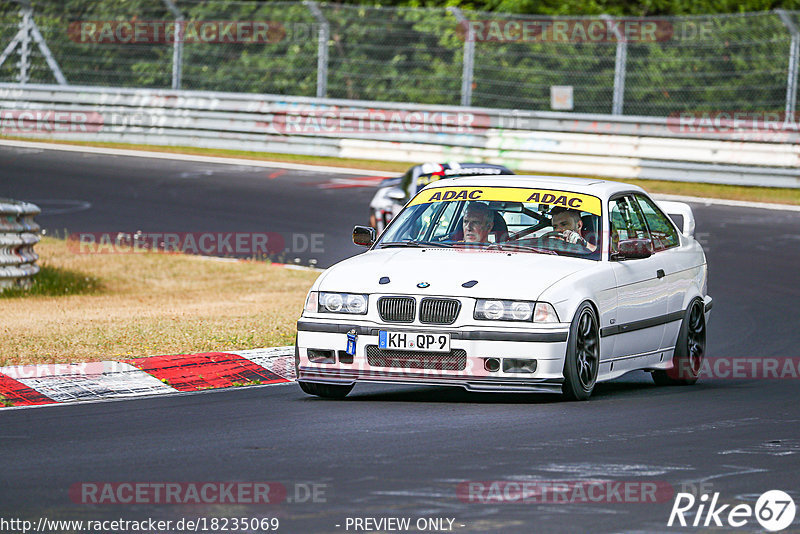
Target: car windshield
<point>540,221</point>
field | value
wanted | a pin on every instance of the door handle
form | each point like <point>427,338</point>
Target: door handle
<point>660,273</point>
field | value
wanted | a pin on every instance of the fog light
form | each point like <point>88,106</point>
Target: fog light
<point>321,356</point>
<point>516,365</point>
<point>491,364</point>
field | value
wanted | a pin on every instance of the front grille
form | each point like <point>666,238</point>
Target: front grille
<point>396,309</point>
<point>455,360</point>
<point>438,311</point>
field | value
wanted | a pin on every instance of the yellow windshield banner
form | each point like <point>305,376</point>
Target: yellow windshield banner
<point>550,197</point>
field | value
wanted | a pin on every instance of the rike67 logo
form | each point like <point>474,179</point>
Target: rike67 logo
<point>774,510</point>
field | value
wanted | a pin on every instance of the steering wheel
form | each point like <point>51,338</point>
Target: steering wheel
<point>555,234</point>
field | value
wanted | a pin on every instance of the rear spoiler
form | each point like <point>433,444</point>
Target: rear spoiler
<point>681,209</point>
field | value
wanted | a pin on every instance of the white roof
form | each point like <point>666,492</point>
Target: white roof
<point>591,186</point>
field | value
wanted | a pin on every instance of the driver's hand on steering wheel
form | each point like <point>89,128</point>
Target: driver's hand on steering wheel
<point>571,236</point>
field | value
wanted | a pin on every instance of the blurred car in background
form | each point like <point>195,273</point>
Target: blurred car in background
<point>393,193</point>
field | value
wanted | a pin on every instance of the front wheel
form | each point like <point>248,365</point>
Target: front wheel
<point>582,361</point>
<point>328,391</point>
<point>689,350</point>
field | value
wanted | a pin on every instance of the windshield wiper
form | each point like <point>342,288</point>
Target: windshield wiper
<point>414,243</point>
<point>521,247</point>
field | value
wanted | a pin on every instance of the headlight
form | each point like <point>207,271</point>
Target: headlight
<point>343,303</point>
<point>514,310</point>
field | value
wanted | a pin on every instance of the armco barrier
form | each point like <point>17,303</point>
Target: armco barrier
<point>18,234</point>
<point>549,142</point>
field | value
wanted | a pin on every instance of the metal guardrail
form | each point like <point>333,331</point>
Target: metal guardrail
<point>18,234</point>
<point>549,142</point>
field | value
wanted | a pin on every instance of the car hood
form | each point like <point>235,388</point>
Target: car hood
<point>498,274</point>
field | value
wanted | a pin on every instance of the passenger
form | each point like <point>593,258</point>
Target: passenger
<point>567,225</point>
<point>477,223</point>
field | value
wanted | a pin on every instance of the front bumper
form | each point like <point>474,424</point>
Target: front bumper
<point>547,345</point>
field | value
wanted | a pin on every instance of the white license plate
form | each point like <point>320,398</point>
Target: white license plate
<point>416,341</point>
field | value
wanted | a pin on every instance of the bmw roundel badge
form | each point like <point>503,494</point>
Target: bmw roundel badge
<point>423,285</point>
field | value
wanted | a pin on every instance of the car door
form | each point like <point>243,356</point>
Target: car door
<point>641,291</point>
<point>677,265</point>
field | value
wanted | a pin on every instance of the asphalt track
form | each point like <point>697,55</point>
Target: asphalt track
<point>401,451</point>
<point>314,213</point>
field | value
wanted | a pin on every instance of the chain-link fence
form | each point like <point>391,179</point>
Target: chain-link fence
<point>644,66</point>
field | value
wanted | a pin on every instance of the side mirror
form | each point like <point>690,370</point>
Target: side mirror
<point>364,236</point>
<point>633,249</point>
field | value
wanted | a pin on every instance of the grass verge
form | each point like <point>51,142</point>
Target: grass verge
<point>730,192</point>
<point>52,281</point>
<point>149,303</point>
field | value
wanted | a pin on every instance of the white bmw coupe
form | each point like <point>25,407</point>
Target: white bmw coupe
<point>512,284</point>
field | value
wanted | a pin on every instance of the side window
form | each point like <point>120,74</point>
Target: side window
<point>627,221</point>
<point>664,234</point>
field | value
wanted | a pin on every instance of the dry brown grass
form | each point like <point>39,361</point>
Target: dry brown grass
<point>152,304</point>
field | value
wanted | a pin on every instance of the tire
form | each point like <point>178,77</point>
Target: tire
<point>328,391</point>
<point>690,349</point>
<point>582,360</point>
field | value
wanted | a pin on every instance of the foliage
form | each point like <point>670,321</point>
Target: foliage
<point>598,7</point>
<point>414,52</point>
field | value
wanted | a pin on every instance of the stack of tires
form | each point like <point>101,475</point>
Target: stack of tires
<point>18,235</point>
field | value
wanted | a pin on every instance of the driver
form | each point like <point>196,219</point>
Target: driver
<point>567,225</point>
<point>477,223</point>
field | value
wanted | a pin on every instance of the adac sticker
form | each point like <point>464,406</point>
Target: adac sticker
<point>566,199</point>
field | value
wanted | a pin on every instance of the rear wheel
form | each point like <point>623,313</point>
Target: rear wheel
<point>582,361</point>
<point>329,391</point>
<point>689,350</point>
